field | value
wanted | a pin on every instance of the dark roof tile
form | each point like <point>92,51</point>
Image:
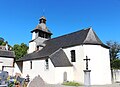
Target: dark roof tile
<point>59,59</point>
<point>85,36</point>
<point>9,54</point>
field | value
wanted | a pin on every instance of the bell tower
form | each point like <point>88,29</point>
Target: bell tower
<point>39,35</point>
<point>41,30</point>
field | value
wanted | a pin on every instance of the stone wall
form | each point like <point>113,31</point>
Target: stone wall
<point>116,75</point>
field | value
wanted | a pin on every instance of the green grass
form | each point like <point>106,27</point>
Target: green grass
<point>71,83</point>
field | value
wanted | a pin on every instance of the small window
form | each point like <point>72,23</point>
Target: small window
<point>45,35</point>
<point>41,34</point>
<point>37,48</point>
<point>73,59</point>
<point>46,64</point>
<point>30,64</point>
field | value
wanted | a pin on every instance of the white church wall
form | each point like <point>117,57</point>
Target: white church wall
<point>59,74</point>
<point>78,66</point>
<point>38,68</point>
<point>32,47</point>
<point>99,64</point>
<point>33,35</point>
<point>16,69</point>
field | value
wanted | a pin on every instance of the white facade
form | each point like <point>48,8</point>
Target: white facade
<point>34,35</point>
<point>60,74</point>
<point>7,63</point>
<point>99,65</point>
<point>78,66</point>
<point>38,68</point>
<point>53,75</point>
<point>37,42</point>
<point>32,47</point>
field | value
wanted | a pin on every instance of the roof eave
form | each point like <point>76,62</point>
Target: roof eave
<point>103,45</point>
<point>7,56</point>
<point>40,58</point>
<point>40,30</point>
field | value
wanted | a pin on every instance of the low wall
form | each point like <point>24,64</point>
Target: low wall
<point>116,75</point>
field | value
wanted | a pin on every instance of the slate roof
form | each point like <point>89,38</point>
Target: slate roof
<point>7,54</point>
<point>59,59</point>
<point>42,26</point>
<point>85,36</point>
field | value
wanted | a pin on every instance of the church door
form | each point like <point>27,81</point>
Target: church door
<point>64,76</point>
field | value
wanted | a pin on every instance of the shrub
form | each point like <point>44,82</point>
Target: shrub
<point>71,83</point>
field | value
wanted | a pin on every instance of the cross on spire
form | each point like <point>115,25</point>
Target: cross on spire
<point>86,62</point>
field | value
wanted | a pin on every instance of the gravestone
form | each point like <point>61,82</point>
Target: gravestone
<point>37,82</point>
<point>21,80</point>
<point>3,77</point>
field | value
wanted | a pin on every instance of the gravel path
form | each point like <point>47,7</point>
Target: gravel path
<point>112,85</point>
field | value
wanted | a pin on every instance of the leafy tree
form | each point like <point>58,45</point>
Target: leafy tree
<point>116,64</point>
<point>20,50</point>
<point>114,54</point>
<point>1,41</point>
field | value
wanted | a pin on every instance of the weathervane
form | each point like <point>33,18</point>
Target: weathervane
<point>43,12</point>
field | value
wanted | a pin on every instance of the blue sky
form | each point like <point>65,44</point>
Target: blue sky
<point>19,17</point>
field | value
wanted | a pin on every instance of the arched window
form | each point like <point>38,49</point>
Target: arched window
<point>73,58</point>
<point>46,64</point>
<point>30,64</point>
<point>37,48</point>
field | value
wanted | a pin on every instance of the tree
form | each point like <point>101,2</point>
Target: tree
<point>116,64</point>
<point>20,50</point>
<point>114,54</point>
<point>1,41</point>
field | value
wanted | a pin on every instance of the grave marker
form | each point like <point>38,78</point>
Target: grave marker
<point>37,82</point>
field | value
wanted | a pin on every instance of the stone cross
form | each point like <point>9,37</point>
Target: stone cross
<point>86,62</point>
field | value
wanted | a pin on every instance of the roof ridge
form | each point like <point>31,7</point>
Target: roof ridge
<point>69,33</point>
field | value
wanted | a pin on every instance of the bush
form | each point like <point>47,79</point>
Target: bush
<point>116,64</point>
<point>71,83</point>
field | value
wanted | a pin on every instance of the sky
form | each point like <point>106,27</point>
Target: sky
<point>19,17</point>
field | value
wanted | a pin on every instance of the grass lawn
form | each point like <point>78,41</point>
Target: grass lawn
<point>71,84</point>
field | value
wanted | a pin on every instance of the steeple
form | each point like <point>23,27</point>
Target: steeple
<point>40,34</point>
<point>41,30</point>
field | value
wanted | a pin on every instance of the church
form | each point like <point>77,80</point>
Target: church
<point>61,58</point>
